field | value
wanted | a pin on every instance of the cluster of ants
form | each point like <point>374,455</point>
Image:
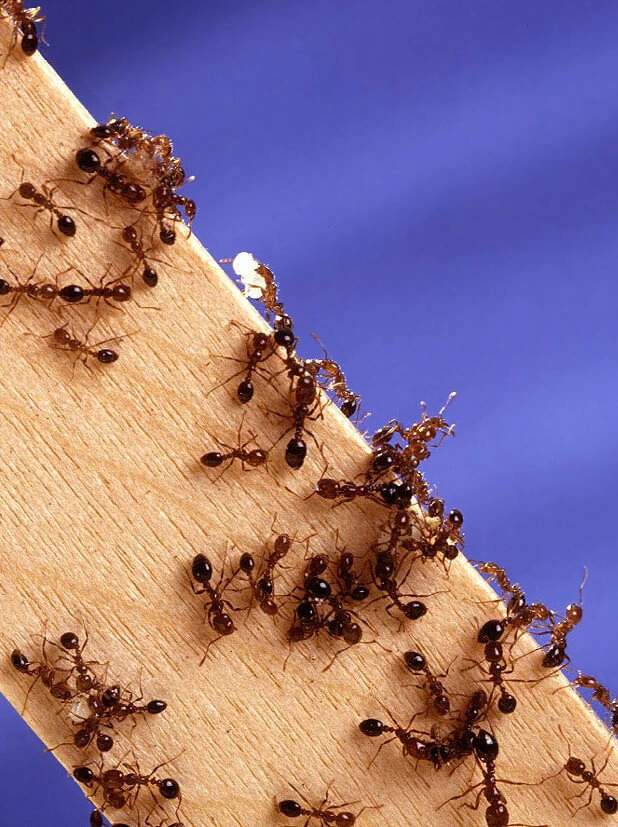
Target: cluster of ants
<point>139,170</point>
<point>136,167</point>
<point>94,710</point>
<point>416,528</point>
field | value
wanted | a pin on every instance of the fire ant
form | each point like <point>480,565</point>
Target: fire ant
<point>110,292</point>
<point>88,161</point>
<point>43,200</point>
<point>63,340</point>
<point>324,812</point>
<point>415,663</point>
<point>576,771</point>
<point>150,277</point>
<point>556,654</point>
<point>218,617</point>
<point>330,377</point>
<point>496,668</point>
<point>259,348</point>
<point>412,745</point>
<point>24,20</point>
<point>600,693</point>
<point>254,458</point>
<point>262,586</point>
<point>118,785</point>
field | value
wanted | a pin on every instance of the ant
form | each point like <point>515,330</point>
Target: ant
<point>333,380</point>
<point>576,770</point>
<point>58,688</point>
<point>262,586</point>
<point>413,610</point>
<point>259,349</point>
<point>63,340</point>
<point>556,654</point>
<point>150,277</point>
<point>118,785</point>
<point>254,458</point>
<point>496,668</point>
<point>110,292</point>
<point>324,812</point>
<point>88,161</point>
<point>218,617</point>
<point>411,743</point>
<point>600,693</point>
<point>24,20</point>
<point>43,200</point>
<point>415,663</point>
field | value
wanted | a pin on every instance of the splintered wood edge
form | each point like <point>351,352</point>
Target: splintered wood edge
<point>103,504</point>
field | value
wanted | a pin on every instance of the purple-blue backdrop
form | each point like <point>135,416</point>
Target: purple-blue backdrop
<point>435,185</point>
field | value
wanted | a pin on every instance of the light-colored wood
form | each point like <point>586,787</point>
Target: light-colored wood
<point>103,504</point>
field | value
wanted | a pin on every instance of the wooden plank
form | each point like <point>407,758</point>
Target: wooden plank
<point>103,505</point>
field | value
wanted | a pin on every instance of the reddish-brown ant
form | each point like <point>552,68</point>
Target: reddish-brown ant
<point>24,20</point>
<point>496,813</point>
<point>556,654</point>
<point>88,161</point>
<point>415,663</point>
<point>262,584</point>
<point>43,200</point>
<point>259,349</point>
<point>325,813</point>
<point>150,277</point>
<point>254,458</point>
<point>118,786</point>
<point>600,693</point>
<point>576,771</point>
<point>62,339</point>
<point>216,607</point>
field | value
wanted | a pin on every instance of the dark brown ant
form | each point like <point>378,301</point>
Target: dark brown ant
<point>412,744</point>
<point>88,161</point>
<point>167,202</point>
<point>415,663</point>
<point>262,585</point>
<point>556,654</point>
<point>412,610</point>
<point>324,812</point>
<point>218,616</point>
<point>24,20</point>
<point>43,200</point>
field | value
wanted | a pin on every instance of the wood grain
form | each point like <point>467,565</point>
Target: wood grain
<point>103,504</point>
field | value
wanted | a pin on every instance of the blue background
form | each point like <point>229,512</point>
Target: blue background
<point>435,186</point>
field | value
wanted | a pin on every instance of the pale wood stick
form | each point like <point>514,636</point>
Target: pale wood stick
<point>103,504</point>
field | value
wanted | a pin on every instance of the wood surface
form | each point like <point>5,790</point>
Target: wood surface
<point>103,504</point>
